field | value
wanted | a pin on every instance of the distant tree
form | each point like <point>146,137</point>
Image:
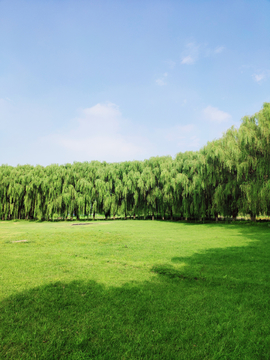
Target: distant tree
<point>226,177</point>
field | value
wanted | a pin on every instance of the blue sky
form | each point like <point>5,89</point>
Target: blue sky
<point>124,80</point>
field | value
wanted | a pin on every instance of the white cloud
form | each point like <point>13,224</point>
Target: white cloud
<point>161,80</point>
<point>102,133</point>
<point>109,110</point>
<point>104,118</point>
<point>219,49</point>
<point>260,76</point>
<point>215,115</point>
<point>195,51</point>
<point>188,60</point>
<point>99,133</point>
<point>191,53</point>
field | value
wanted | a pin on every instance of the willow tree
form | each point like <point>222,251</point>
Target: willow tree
<point>170,183</point>
<point>227,195</point>
<point>166,186</point>
<point>150,193</point>
<point>187,182</point>
<point>219,176</point>
<point>5,178</point>
<point>253,166</point>
<point>228,176</point>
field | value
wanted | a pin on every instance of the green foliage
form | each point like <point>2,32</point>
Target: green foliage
<point>227,177</point>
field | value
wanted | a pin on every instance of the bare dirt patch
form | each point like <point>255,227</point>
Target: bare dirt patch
<point>18,241</point>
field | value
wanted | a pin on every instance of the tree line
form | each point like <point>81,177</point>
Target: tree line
<point>227,177</point>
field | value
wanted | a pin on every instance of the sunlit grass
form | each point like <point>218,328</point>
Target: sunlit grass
<point>134,290</point>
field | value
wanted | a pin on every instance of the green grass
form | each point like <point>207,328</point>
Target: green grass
<point>134,290</point>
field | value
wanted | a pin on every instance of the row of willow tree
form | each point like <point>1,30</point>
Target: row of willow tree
<point>227,177</point>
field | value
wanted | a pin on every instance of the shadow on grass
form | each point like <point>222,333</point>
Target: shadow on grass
<point>215,307</point>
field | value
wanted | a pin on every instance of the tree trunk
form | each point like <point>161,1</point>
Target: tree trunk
<point>134,216</point>
<point>94,216</point>
<point>113,216</point>
<point>162,217</point>
<point>216,217</point>
<point>234,215</point>
<point>253,217</point>
<point>153,217</point>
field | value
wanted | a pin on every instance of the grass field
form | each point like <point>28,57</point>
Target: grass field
<point>134,290</point>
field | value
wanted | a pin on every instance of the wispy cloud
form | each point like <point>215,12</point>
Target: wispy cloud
<point>215,115</point>
<point>257,74</point>
<point>190,54</point>
<point>260,76</point>
<point>219,49</point>
<point>188,60</point>
<point>161,81</point>
<point>194,51</point>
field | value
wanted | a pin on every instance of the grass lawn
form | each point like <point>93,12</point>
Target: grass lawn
<point>134,290</point>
